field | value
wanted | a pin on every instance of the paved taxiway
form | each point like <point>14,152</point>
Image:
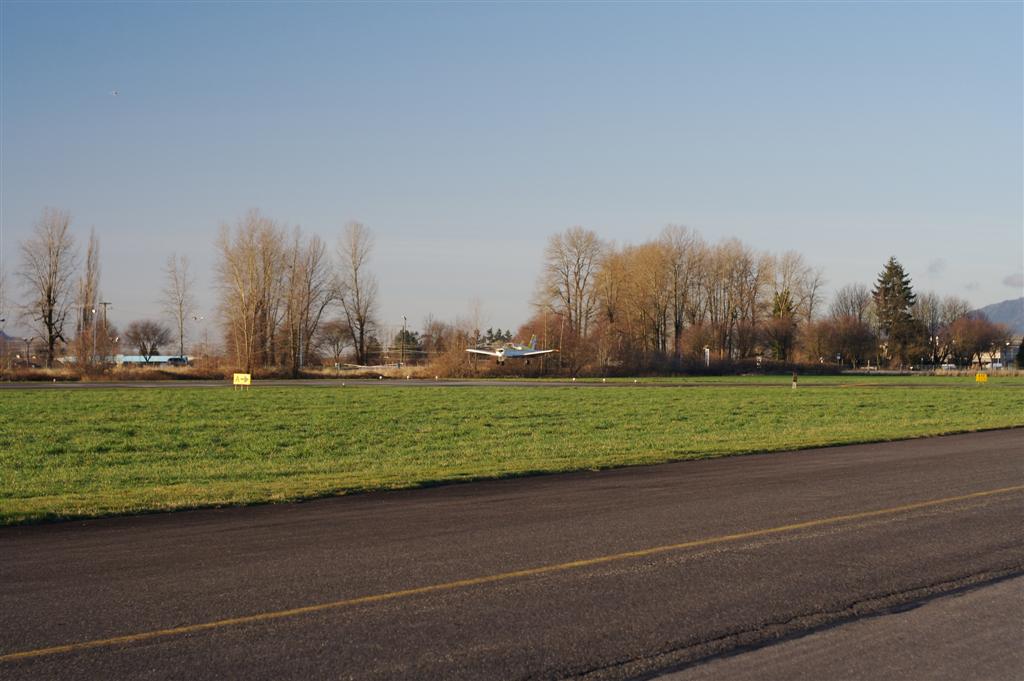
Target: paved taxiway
<point>606,575</point>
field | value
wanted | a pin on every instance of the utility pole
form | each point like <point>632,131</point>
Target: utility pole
<point>105,305</point>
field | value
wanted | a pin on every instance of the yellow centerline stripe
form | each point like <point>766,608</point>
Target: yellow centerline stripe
<point>489,579</point>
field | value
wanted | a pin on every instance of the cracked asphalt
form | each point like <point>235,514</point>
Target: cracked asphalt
<point>615,574</point>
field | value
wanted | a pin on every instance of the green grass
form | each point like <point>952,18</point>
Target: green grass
<point>845,380</point>
<point>82,453</point>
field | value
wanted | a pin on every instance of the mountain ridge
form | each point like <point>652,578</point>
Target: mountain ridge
<point>1009,312</point>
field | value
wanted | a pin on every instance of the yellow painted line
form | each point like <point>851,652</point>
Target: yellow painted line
<point>490,579</point>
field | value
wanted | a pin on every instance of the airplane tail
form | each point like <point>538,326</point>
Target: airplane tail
<point>533,342</point>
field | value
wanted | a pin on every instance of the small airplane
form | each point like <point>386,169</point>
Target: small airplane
<point>512,351</point>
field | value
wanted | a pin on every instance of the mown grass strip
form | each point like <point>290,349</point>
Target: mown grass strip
<point>70,454</point>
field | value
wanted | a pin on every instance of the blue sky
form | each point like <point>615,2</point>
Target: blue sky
<point>464,135</point>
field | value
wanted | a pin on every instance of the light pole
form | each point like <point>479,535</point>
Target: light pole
<point>206,338</point>
<point>28,353</point>
<point>92,358</point>
<point>402,362</point>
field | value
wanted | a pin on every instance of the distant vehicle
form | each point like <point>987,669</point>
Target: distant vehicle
<point>949,366</point>
<point>177,361</point>
<point>512,352</point>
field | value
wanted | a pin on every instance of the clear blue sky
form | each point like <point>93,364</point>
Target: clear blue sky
<point>464,135</point>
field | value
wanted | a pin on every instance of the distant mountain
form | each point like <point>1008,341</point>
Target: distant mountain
<point>1009,312</point>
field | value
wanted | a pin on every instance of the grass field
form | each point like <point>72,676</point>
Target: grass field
<point>83,453</point>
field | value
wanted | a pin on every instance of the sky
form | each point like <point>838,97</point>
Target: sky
<point>465,135</point>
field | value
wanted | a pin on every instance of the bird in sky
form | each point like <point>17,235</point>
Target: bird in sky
<point>115,93</point>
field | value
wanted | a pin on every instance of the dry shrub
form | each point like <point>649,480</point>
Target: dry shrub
<point>32,374</point>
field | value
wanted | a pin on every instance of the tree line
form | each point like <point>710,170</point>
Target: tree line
<point>678,301</point>
<point>275,287</point>
<point>287,299</point>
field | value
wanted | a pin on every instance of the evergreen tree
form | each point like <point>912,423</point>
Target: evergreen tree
<point>409,340</point>
<point>894,299</point>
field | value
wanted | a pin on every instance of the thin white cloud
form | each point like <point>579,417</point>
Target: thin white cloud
<point>1014,280</point>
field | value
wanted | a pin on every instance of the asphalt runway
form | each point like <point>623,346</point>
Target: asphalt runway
<point>628,573</point>
<point>949,637</point>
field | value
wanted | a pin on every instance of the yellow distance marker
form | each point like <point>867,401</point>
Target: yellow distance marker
<point>981,377</point>
<point>242,381</point>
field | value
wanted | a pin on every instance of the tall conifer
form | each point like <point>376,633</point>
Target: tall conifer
<point>894,300</point>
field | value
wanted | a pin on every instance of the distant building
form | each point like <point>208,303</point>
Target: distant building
<point>154,360</point>
<point>1010,351</point>
<point>1005,357</point>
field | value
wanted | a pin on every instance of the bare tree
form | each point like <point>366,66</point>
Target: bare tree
<point>310,290</point>
<point>737,296</point>
<point>87,305</point>
<point>251,277</point>
<point>682,249</point>
<point>147,336</point>
<point>974,335</point>
<point>568,285</point>
<point>571,262</point>
<point>333,337</point>
<point>357,287</point>
<point>178,301</point>
<point>793,274</point>
<point>48,264</point>
<point>953,308</point>
<point>853,300</point>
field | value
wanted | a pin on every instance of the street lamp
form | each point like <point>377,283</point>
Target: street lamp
<point>28,350</point>
<point>206,337</point>
<point>92,358</point>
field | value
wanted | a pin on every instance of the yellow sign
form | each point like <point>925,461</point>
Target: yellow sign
<point>243,379</point>
<point>981,378</point>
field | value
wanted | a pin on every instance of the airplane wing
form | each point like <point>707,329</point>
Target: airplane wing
<point>528,353</point>
<point>489,353</point>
